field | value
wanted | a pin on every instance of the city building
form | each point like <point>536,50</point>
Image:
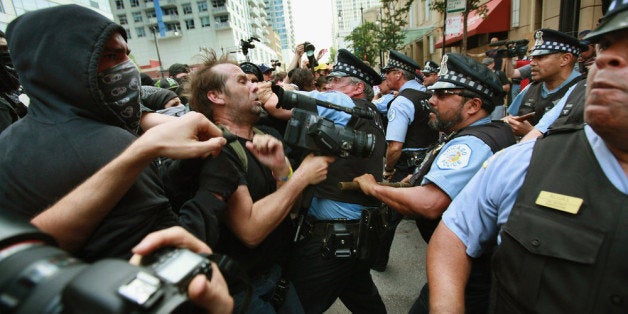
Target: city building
<point>347,15</point>
<point>281,19</point>
<point>170,31</point>
<point>10,9</point>
<point>504,19</point>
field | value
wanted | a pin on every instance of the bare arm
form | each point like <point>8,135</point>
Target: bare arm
<point>252,221</point>
<point>534,133</point>
<point>298,53</point>
<point>428,201</point>
<point>393,152</point>
<point>448,268</point>
<point>72,219</point>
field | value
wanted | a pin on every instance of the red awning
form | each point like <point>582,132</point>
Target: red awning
<point>497,20</point>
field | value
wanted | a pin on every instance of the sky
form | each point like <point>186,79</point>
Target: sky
<point>313,22</point>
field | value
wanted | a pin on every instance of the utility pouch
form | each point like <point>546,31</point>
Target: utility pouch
<point>339,241</point>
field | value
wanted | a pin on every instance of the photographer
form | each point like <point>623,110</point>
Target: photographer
<point>319,279</point>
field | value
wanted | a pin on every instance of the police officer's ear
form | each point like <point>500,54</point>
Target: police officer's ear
<point>473,105</point>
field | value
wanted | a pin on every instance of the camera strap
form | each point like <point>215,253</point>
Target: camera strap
<point>235,276</point>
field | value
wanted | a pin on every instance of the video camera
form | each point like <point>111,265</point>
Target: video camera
<point>309,52</point>
<point>512,48</point>
<point>36,277</point>
<point>247,44</point>
<point>306,129</point>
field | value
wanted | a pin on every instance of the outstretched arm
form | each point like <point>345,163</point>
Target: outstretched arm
<point>428,200</point>
<point>72,219</point>
<point>448,268</point>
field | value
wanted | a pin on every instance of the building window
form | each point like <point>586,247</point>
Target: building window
<point>189,24</point>
<point>135,3</point>
<point>514,20</point>
<point>128,33</point>
<point>171,11</point>
<point>119,4</point>
<point>222,18</point>
<point>426,10</point>
<point>218,3</point>
<point>151,14</point>
<point>204,21</point>
<point>141,32</point>
<point>202,6</point>
<point>137,17</point>
<point>122,19</point>
<point>187,8</point>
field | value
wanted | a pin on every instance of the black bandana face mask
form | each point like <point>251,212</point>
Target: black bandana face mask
<point>120,90</point>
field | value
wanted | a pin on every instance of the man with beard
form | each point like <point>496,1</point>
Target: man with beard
<point>556,207</point>
<point>464,97</point>
<point>255,226</point>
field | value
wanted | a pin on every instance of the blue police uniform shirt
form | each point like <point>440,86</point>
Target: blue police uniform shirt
<point>325,208</point>
<point>382,103</point>
<point>401,114</point>
<point>483,206</point>
<point>513,109</point>
<point>458,161</point>
<point>553,114</point>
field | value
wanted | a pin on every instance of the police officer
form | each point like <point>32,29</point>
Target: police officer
<point>464,97</point>
<point>430,73</point>
<point>554,57</point>
<point>324,266</point>
<point>408,133</point>
<point>559,205</point>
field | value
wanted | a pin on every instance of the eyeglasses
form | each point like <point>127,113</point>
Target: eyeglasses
<point>333,81</point>
<point>391,70</point>
<point>442,93</point>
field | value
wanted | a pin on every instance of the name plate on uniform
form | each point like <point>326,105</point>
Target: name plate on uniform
<point>565,203</point>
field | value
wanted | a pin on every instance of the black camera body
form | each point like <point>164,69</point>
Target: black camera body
<point>36,277</point>
<point>518,48</point>
<point>309,52</point>
<point>320,135</point>
<point>308,130</point>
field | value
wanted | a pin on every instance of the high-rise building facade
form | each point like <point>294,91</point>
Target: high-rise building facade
<point>280,18</point>
<point>10,9</point>
<point>177,31</point>
<point>347,15</point>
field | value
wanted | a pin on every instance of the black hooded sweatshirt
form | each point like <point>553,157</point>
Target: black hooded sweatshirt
<point>69,133</point>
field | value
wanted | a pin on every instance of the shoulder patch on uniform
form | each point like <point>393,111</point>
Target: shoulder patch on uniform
<point>454,157</point>
<point>391,114</point>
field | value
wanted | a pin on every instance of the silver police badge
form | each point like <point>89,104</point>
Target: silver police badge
<point>443,66</point>
<point>538,36</point>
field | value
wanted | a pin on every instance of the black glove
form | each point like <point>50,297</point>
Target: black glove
<point>220,175</point>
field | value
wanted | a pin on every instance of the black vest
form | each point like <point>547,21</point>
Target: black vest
<point>533,101</point>
<point>345,169</point>
<point>496,134</point>
<point>573,111</point>
<point>419,134</point>
<point>551,261</point>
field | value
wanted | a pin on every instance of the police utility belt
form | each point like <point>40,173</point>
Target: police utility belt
<point>344,238</point>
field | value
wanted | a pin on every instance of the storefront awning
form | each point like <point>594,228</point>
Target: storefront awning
<point>497,20</point>
<point>414,34</point>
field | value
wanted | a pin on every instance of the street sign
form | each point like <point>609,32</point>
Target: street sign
<point>456,5</point>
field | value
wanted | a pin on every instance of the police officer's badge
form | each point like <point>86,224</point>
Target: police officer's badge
<point>455,157</point>
<point>391,114</point>
<point>538,36</point>
<point>443,66</point>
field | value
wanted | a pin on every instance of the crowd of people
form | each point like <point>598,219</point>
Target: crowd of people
<point>112,164</point>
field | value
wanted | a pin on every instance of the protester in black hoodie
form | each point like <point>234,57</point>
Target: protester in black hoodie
<point>84,111</point>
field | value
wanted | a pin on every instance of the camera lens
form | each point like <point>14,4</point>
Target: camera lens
<point>363,145</point>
